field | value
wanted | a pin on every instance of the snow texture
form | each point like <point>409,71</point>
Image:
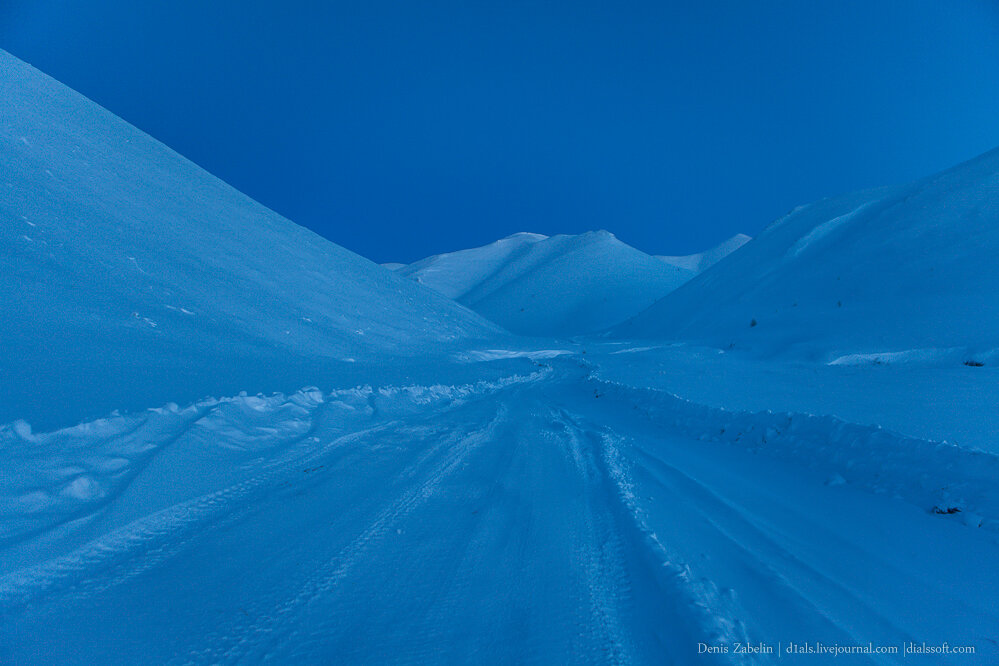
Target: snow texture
<point>133,277</point>
<point>390,478</point>
<point>697,263</point>
<point>559,286</point>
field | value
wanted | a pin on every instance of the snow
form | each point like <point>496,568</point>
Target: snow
<point>150,280</point>
<point>908,267</point>
<point>227,440</point>
<point>455,274</point>
<point>559,286</point>
<point>497,354</point>
<point>494,520</point>
<point>697,263</point>
<point>823,230</point>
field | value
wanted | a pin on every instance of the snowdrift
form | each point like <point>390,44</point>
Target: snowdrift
<point>133,277</point>
<point>563,285</point>
<point>908,268</point>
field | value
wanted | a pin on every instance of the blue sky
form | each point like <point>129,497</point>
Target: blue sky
<point>405,129</point>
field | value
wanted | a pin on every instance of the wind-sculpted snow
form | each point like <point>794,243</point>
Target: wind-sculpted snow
<point>541,517</point>
<point>66,475</point>
<point>53,477</point>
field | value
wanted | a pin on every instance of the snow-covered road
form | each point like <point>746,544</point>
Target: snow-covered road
<point>488,498</point>
<point>548,517</point>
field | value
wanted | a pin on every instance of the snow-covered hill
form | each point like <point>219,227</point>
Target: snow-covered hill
<point>701,261</point>
<point>563,285</point>
<point>456,274</point>
<point>893,274</point>
<point>132,277</point>
<point>453,494</point>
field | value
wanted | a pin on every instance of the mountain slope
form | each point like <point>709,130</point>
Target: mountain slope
<point>455,274</point>
<point>563,285</point>
<point>133,277</point>
<point>704,260</point>
<point>907,269</point>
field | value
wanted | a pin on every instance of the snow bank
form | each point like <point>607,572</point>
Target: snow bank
<point>105,488</point>
<point>958,483</point>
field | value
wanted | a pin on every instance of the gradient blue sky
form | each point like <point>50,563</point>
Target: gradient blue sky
<point>405,129</point>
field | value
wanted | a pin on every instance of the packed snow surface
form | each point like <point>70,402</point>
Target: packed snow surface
<point>561,285</point>
<point>550,515</point>
<point>906,270</point>
<point>130,275</point>
<point>436,490</point>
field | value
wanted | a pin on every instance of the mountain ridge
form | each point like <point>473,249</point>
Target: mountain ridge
<point>892,269</point>
<point>127,265</point>
<point>561,285</point>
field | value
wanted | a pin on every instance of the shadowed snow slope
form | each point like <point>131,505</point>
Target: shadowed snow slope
<point>128,269</point>
<point>704,260</point>
<point>563,285</point>
<point>908,268</point>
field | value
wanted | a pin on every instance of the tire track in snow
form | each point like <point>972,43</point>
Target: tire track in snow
<point>601,552</point>
<point>142,544</point>
<point>273,628</point>
<point>781,573</point>
<point>519,543</point>
<point>696,605</point>
<point>669,610</point>
<point>138,546</point>
<point>774,564</point>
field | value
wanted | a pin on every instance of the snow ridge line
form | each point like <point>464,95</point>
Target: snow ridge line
<point>419,393</point>
<point>670,594</point>
<point>936,476</point>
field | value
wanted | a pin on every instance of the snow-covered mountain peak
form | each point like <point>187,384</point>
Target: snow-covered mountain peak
<point>524,236</point>
<point>559,285</point>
